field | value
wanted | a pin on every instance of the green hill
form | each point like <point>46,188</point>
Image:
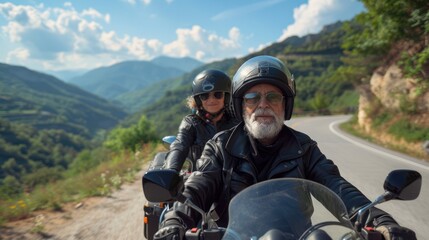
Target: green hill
<point>45,102</point>
<point>109,82</point>
<point>120,81</point>
<point>25,150</point>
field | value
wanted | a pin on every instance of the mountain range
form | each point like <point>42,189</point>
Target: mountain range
<point>121,82</point>
<point>159,87</point>
<point>45,102</point>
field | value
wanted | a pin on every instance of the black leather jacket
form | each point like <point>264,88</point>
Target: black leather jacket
<point>228,167</point>
<point>193,134</point>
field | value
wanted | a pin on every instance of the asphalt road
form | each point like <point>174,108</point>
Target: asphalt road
<point>366,165</point>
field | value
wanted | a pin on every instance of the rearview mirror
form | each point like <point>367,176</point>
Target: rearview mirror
<point>162,185</point>
<point>399,184</point>
<point>167,141</point>
<point>404,184</point>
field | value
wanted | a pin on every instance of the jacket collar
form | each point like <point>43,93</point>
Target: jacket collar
<point>238,143</point>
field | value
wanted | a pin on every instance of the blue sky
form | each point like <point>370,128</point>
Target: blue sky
<point>54,35</point>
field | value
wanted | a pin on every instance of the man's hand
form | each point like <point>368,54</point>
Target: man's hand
<point>171,230</point>
<point>388,227</point>
<point>396,232</point>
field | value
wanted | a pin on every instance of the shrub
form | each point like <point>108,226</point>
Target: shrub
<point>408,131</point>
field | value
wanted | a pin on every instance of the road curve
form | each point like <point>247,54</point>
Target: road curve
<point>366,165</point>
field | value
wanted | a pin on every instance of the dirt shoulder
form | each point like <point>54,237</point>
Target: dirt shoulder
<point>119,216</point>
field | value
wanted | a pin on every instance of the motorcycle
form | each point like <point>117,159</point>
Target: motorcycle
<point>153,209</point>
<point>285,208</point>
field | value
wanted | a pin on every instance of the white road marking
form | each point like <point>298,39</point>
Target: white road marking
<point>331,127</point>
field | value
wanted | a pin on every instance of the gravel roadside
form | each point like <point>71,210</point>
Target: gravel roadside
<point>119,216</point>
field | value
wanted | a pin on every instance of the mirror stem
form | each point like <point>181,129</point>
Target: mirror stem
<point>382,198</point>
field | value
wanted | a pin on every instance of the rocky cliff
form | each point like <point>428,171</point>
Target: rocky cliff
<point>392,90</point>
<point>388,90</point>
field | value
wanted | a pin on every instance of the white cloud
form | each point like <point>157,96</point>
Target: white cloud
<point>234,34</point>
<point>259,48</point>
<point>143,48</point>
<point>311,17</point>
<point>203,45</point>
<point>146,2</point>
<point>18,54</point>
<point>53,34</point>
<point>92,13</point>
<point>155,44</point>
<point>107,18</point>
<point>64,38</point>
<point>109,41</point>
<point>47,32</point>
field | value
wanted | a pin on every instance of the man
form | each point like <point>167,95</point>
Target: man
<point>261,147</point>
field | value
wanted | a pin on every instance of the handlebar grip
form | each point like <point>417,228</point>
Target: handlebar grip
<point>214,234</point>
<point>207,234</point>
<point>193,234</point>
<point>371,234</point>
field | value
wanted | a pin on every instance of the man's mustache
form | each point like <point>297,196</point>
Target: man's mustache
<point>263,112</point>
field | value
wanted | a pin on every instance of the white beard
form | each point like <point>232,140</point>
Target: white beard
<point>263,130</point>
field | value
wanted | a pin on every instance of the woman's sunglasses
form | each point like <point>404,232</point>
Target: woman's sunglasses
<point>217,95</point>
<point>254,98</point>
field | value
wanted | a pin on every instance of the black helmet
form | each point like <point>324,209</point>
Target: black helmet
<point>262,69</point>
<point>211,80</point>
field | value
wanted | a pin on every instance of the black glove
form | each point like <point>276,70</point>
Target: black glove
<point>396,232</point>
<point>388,227</point>
<point>171,229</point>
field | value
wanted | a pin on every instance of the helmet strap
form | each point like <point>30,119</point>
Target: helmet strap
<point>208,117</point>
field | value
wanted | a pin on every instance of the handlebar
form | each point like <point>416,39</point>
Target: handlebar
<point>206,234</point>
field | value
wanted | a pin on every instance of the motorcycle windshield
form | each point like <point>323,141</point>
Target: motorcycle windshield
<point>285,209</point>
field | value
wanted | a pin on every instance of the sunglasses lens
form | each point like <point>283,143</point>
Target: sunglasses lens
<point>274,98</point>
<point>252,98</point>
<point>218,95</point>
<point>204,96</point>
<point>255,97</point>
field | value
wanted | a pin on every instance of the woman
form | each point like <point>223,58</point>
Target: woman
<point>211,92</point>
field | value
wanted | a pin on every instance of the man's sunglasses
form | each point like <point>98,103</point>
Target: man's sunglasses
<point>217,95</point>
<point>254,98</point>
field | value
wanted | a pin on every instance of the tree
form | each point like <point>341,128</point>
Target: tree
<point>320,103</point>
<point>133,137</point>
<point>145,131</point>
<point>10,186</point>
<point>11,168</point>
<point>386,22</point>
